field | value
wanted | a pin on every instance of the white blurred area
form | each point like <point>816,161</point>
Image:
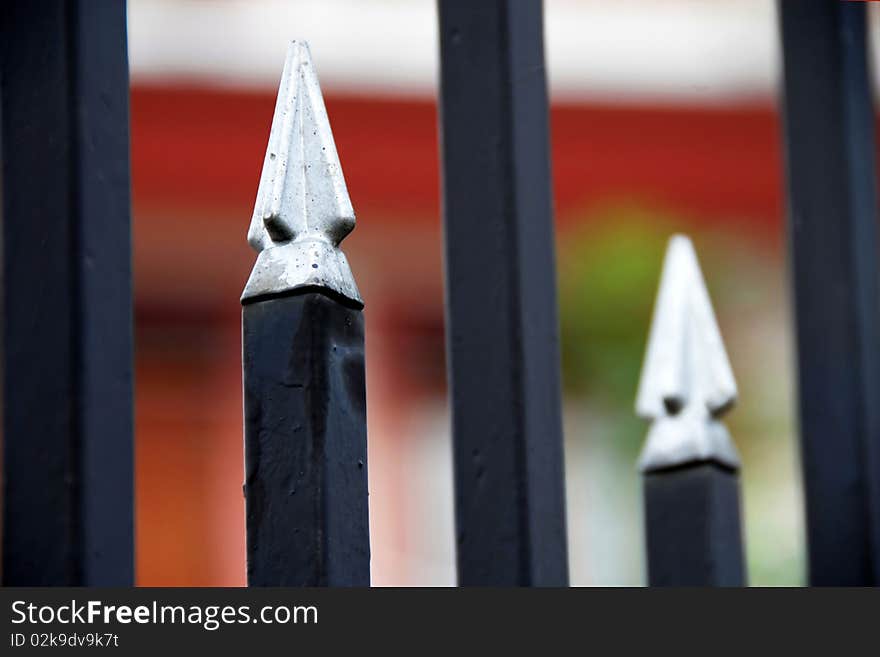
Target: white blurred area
<point>676,50</point>
<point>691,51</point>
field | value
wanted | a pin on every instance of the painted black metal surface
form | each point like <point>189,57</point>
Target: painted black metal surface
<point>67,328</point>
<point>830,153</point>
<point>305,443</point>
<point>692,527</point>
<point>501,316</point>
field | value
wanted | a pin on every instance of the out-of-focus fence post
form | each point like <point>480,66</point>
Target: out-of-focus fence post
<point>690,466</point>
<point>68,515</point>
<point>830,154</point>
<point>303,337</point>
<point>501,317</point>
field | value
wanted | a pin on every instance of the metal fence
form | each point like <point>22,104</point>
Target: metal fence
<point>67,328</point>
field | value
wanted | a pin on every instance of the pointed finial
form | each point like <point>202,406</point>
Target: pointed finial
<point>687,383</point>
<point>303,210</point>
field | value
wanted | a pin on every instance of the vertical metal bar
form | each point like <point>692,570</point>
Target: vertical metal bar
<point>830,157</point>
<point>501,317</point>
<point>68,515</point>
<point>689,463</point>
<point>692,526</point>
<point>303,338</point>
<point>305,449</point>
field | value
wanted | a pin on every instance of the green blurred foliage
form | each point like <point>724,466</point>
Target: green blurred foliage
<point>609,271</point>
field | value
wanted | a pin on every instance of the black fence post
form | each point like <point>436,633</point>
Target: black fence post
<point>67,330</point>
<point>303,336</point>
<point>830,156</point>
<point>689,464</point>
<point>501,317</point>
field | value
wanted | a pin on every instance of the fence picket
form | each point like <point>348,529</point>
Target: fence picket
<point>689,464</point>
<point>68,516</point>
<point>303,358</point>
<point>501,316</point>
<point>832,199</point>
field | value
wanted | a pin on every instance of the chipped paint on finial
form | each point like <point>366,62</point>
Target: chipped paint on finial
<point>302,211</point>
<point>687,383</point>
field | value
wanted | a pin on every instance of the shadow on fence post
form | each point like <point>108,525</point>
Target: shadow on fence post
<point>832,222</point>
<point>501,319</point>
<point>68,453</point>
<point>303,357</point>
<point>689,464</point>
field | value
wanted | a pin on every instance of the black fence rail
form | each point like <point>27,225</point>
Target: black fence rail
<point>68,516</point>
<point>830,148</point>
<point>502,329</point>
<point>67,365</point>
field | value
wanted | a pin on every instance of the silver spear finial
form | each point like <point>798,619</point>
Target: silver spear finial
<point>302,211</point>
<point>687,383</point>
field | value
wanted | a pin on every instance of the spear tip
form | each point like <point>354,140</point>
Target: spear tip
<point>303,210</point>
<point>687,383</point>
<point>685,360</point>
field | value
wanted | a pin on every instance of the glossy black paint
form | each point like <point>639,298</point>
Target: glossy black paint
<point>305,442</point>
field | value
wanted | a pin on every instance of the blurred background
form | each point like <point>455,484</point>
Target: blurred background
<point>664,118</point>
